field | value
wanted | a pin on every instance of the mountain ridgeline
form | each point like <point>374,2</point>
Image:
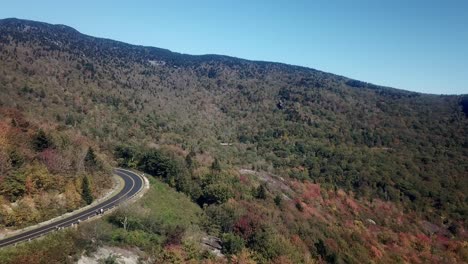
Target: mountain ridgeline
<point>300,123</point>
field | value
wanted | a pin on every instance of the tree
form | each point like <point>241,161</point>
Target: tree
<point>5,164</point>
<point>90,159</point>
<point>325,252</point>
<point>278,200</point>
<point>72,196</point>
<point>156,164</point>
<point>111,259</point>
<point>86,191</point>
<point>189,160</point>
<point>127,156</point>
<point>37,179</point>
<point>232,243</point>
<point>215,166</point>
<point>13,186</point>
<point>215,193</point>
<point>41,141</point>
<point>261,192</point>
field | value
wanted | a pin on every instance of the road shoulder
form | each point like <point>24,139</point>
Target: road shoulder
<point>118,186</point>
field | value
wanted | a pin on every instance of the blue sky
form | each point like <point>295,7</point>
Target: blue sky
<point>414,45</point>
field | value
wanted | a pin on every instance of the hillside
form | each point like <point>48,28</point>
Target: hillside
<point>45,171</point>
<point>210,116</point>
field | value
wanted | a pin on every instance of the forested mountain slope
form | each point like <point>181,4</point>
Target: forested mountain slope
<point>45,171</point>
<point>300,123</point>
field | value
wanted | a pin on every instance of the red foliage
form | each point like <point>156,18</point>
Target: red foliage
<point>442,241</point>
<point>16,116</point>
<point>331,244</point>
<point>352,205</point>
<point>54,161</point>
<point>423,239</point>
<point>243,179</point>
<point>404,240</point>
<point>247,225</point>
<point>376,253</point>
<point>311,192</point>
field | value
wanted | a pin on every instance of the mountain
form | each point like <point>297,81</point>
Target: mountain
<point>308,127</point>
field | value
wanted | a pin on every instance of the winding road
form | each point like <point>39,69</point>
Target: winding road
<point>133,184</point>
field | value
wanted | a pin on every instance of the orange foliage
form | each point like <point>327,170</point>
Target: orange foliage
<point>376,253</point>
<point>311,192</point>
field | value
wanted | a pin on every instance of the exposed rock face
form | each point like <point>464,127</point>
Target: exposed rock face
<point>120,255</point>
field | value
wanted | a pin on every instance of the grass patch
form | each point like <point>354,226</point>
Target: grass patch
<point>171,207</point>
<point>161,217</point>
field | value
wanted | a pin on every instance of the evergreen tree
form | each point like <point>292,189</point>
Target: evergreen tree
<point>41,141</point>
<point>90,159</point>
<point>261,192</point>
<point>278,200</point>
<point>86,191</point>
<point>215,166</point>
<point>189,160</point>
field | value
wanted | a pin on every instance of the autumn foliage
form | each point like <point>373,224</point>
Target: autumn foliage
<point>42,171</point>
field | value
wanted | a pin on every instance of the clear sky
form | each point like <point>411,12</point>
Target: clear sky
<point>418,45</point>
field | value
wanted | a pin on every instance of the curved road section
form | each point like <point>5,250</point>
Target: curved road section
<point>134,183</point>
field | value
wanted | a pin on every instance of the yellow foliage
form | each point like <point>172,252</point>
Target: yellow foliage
<point>25,212</point>
<point>37,178</point>
<point>4,130</point>
<point>7,216</point>
<point>72,196</point>
<point>244,257</point>
<point>359,224</point>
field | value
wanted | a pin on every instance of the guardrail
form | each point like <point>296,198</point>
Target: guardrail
<point>105,211</point>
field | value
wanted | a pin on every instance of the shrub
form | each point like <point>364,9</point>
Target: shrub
<point>232,243</point>
<point>216,193</point>
<point>86,191</point>
<point>41,141</point>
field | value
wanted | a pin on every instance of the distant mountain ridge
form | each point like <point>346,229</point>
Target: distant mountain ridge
<point>292,164</point>
<point>93,46</point>
<point>288,119</point>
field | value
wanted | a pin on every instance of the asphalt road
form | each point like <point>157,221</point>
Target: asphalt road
<point>133,184</point>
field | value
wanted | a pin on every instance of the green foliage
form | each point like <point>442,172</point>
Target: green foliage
<point>170,206</point>
<point>54,248</point>
<point>138,238</point>
<point>260,192</point>
<point>216,166</point>
<point>40,175</point>
<point>278,200</point>
<point>86,193</point>
<point>325,253</point>
<point>90,160</point>
<point>126,156</point>
<point>111,259</point>
<point>222,216</point>
<point>189,160</point>
<point>215,193</point>
<point>298,123</point>
<point>157,164</point>
<point>42,141</point>
<point>299,206</point>
<point>270,244</point>
<point>232,243</point>
<point>160,218</point>
<point>173,170</point>
<point>13,186</point>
